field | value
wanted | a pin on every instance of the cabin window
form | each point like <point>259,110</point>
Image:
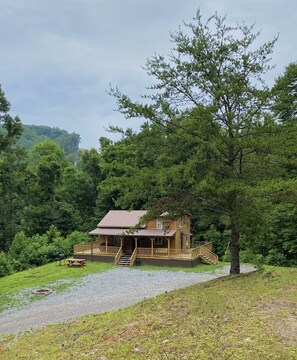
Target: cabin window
<point>159,224</point>
<point>158,241</point>
<point>116,241</point>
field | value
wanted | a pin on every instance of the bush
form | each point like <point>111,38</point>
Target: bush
<point>276,258</point>
<point>77,237</point>
<point>247,256</point>
<point>19,252</point>
<point>38,250</point>
<point>5,266</point>
<point>218,239</point>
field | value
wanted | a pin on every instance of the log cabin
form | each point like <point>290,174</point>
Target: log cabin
<point>123,237</point>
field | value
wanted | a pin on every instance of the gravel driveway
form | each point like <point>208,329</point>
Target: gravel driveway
<point>102,292</point>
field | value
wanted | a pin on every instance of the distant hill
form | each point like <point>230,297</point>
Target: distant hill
<point>37,133</point>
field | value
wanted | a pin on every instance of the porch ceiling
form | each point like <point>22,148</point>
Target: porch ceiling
<point>140,232</point>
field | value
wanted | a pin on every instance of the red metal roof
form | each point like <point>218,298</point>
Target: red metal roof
<point>121,219</point>
<point>125,232</point>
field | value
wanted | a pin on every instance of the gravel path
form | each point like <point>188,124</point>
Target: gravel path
<point>102,292</point>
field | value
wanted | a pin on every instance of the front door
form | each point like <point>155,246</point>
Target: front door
<point>128,245</point>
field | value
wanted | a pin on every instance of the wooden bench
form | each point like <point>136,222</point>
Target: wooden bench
<point>76,262</point>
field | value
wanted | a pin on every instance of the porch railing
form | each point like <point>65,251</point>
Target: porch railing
<point>118,255</point>
<point>133,257</point>
<point>207,245</point>
<point>85,249</point>
<point>165,252</point>
<point>109,250</point>
<point>208,255</point>
<point>97,248</point>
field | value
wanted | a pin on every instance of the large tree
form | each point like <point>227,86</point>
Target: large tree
<point>285,94</point>
<point>210,92</point>
<point>46,202</point>
<point>11,159</point>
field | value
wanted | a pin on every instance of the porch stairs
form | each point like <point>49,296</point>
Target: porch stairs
<point>208,260</point>
<point>124,260</point>
<point>207,256</point>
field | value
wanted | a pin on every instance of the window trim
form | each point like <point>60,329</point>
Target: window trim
<point>159,224</point>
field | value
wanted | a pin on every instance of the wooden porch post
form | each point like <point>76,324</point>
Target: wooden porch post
<point>106,239</point>
<point>121,242</point>
<point>92,250</point>
<point>136,238</point>
<point>152,246</point>
<point>168,240</point>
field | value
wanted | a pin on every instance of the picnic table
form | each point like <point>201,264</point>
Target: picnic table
<point>76,262</point>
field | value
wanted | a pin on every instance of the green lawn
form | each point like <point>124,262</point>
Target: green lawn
<point>241,317</point>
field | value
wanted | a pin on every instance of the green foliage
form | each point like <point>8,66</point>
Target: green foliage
<point>77,237</point>
<point>248,257</point>
<point>219,239</point>
<point>11,166</point>
<point>79,190</point>
<point>34,134</point>
<point>26,252</point>
<point>5,266</point>
<point>278,244</point>
<point>285,94</point>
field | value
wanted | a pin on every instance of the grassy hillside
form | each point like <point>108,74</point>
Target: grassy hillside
<point>243,317</point>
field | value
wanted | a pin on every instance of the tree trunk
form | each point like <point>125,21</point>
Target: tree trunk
<point>234,245</point>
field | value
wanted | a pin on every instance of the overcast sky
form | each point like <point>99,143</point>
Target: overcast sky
<point>58,57</point>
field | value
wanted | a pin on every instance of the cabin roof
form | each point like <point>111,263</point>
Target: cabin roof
<point>121,219</point>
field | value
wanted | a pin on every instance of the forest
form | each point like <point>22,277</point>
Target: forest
<point>215,141</point>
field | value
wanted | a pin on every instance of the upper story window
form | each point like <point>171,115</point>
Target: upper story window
<point>160,223</point>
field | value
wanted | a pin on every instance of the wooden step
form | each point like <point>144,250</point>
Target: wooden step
<point>207,259</point>
<point>124,260</point>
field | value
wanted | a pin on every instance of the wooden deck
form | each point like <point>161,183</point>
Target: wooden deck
<point>203,252</point>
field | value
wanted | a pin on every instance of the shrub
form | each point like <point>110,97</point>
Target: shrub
<point>247,256</point>
<point>77,237</point>
<point>5,266</point>
<point>218,239</point>
<point>276,258</point>
<point>19,251</point>
<point>38,250</point>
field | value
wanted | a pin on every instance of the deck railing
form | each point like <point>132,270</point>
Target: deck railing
<point>85,249</point>
<point>204,252</point>
<point>118,255</point>
<point>192,254</point>
<point>195,253</point>
<point>144,251</point>
<point>207,245</point>
<point>96,247</point>
<point>165,252</point>
<point>109,250</point>
<point>152,252</point>
<point>133,257</point>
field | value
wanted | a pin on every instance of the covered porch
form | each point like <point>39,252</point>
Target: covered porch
<point>141,248</point>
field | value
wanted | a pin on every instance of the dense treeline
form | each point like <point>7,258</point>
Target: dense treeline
<point>214,144</point>
<point>33,134</point>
